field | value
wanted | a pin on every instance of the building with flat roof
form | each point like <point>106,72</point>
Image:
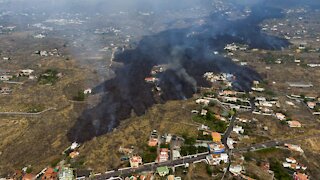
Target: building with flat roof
<point>66,173</point>
<point>216,137</point>
<point>163,171</point>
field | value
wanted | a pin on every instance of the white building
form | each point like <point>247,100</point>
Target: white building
<point>216,159</point>
<point>203,101</point>
<point>238,129</point>
<point>230,143</point>
<point>280,116</point>
<point>87,91</point>
<point>236,169</point>
<point>176,154</point>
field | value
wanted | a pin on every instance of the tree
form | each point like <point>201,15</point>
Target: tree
<point>279,171</point>
<point>80,96</point>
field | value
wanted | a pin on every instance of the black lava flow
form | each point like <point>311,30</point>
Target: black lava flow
<point>188,56</point>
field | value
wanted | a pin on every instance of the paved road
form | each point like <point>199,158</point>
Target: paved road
<point>229,130</point>
<point>151,167</point>
<point>194,158</point>
<point>274,143</point>
<point>26,113</point>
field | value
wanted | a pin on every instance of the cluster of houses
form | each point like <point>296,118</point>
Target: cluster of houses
<point>5,77</point>
<point>223,77</point>
<point>7,29</point>
<point>50,173</point>
<point>262,106</point>
<point>235,47</point>
<point>153,79</point>
<point>5,90</point>
<point>228,98</point>
<point>44,53</point>
<point>257,87</point>
<point>27,73</point>
<point>21,73</point>
<point>265,106</point>
<point>312,102</point>
<point>154,73</point>
<point>60,171</point>
<point>234,100</point>
<point>158,69</point>
<point>236,167</point>
<point>73,150</point>
<point>164,154</point>
<point>128,154</point>
<point>217,150</point>
<point>292,32</point>
<point>292,163</point>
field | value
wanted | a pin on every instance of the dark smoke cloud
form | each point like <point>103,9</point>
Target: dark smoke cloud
<point>188,51</point>
<point>188,57</point>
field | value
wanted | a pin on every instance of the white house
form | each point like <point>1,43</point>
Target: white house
<point>280,116</point>
<point>238,129</point>
<point>203,101</point>
<point>87,91</point>
<point>235,169</point>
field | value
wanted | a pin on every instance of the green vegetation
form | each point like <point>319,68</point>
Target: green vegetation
<point>149,154</point>
<point>209,169</point>
<point>165,146</point>
<point>212,104</point>
<point>210,94</point>
<point>248,156</point>
<point>244,96</point>
<point>269,59</point>
<point>304,65</point>
<point>35,109</point>
<point>317,108</point>
<point>77,163</point>
<point>189,150</point>
<point>55,162</point>
<point>211,121</point>
<point>270,93</point>
<point>202,149</point>
<point>283,122</point>
<point>267,150</point>
<point>29,170</point>
<point>80,96</point>
<point>188,140</point>
<point>279,171</point>
<point>204,137</point>
<point>50,77</point>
